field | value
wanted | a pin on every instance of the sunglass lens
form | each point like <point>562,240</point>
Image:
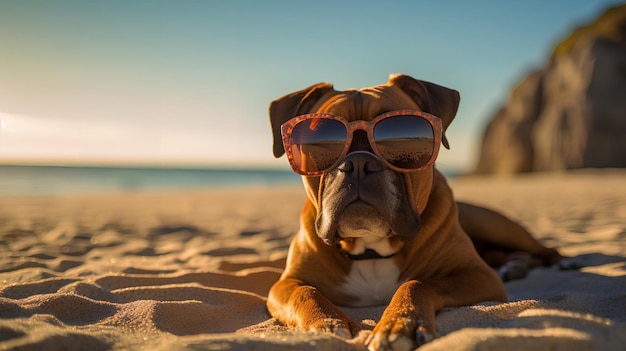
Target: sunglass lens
<point>317,144</point>
<point>406,142</point>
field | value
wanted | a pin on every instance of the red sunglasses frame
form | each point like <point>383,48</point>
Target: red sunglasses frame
<point>367,126</point>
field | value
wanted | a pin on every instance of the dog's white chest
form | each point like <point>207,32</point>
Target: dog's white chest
<point>372,282</point>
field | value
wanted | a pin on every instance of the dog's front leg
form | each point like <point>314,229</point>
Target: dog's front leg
<point>409,320</point>
<point>303,307</point>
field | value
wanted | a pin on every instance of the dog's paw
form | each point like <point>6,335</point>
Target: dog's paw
<point>402,334</point>
<point>570,263</point>
<point>513,270</point>
<point>341,328</point>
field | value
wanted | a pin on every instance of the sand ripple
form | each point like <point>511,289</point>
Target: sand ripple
<point>181,271</point>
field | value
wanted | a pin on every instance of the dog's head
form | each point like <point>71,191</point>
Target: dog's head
<point>362,204</point>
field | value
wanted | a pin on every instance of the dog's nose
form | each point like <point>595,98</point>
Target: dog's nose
<point>360,164</point>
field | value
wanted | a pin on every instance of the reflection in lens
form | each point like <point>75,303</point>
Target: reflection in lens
<point>317,143</point>
<point>405,141</point>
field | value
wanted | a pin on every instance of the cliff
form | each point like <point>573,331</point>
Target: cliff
<point>570,114</point>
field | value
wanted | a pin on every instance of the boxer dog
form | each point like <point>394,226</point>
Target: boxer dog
<point>380,225</point>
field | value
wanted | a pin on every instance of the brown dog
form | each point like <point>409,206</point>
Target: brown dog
<point>370,235</point>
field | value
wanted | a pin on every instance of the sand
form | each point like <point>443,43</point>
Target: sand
<point>191,270</point>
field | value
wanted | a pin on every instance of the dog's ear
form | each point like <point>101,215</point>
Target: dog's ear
<point>432,98</point>
<point>294,104</point>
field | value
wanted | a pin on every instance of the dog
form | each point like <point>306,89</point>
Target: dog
<point>380,225</point>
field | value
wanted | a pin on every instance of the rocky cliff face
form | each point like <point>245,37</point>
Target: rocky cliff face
<point>572,113</point>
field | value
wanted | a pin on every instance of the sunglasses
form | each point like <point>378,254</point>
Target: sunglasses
<point>405,141</point>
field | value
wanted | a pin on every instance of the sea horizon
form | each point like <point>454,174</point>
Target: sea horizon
<point>35,180</point>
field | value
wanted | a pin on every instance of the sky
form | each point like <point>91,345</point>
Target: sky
<point>189,82</point>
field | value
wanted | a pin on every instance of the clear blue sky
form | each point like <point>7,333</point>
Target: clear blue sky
<point>190,81</point>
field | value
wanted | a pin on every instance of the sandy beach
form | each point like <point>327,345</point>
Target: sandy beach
<point>191,270</point>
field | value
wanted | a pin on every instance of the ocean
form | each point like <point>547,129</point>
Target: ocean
<point>53,180</point>
<point>60,180</point>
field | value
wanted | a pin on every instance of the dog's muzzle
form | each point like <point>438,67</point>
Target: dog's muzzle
<point>361,198</point>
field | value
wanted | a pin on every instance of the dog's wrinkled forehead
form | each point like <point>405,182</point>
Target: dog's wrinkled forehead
<point>366,103</point>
